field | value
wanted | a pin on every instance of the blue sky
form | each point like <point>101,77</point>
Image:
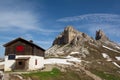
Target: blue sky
<point>43,20</point>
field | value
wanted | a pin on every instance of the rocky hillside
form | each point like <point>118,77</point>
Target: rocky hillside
<point>100,56</point>
<point>84,46</point>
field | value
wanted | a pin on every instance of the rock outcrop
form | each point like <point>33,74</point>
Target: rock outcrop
<point>100,35</point>
<point>69,40</point>
<point>66,36</point>
<point>70,35</point>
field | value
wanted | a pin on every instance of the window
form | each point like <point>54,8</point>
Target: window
<point>11,57</point>
<point>19,63</point>
<point>36,62</point>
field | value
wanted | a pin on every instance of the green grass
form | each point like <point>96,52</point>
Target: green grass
<point>106,76</point>
<point>56,74</point>
<point>44,75</point>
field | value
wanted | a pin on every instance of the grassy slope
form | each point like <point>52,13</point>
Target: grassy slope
<point>56,74</point>
<point>106,76</point>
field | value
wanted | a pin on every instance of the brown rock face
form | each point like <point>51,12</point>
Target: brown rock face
<point>100,35</point>
<point>66,36</point>
<point>70,35</point>
<point>74,37</point>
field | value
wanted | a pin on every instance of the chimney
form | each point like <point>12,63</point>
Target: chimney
<point>31,41</point>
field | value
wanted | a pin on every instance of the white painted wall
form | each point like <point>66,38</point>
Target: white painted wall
<point>2,63</point>
<point>9,64</point>
<point>40,63</point>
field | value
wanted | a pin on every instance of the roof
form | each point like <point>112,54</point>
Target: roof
<point>21,39</point>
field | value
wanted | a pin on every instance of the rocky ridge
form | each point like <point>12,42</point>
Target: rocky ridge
<point>71,40</point>
<point>98,56</point>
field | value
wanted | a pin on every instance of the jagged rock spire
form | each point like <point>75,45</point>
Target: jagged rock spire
<point>100,35</point>
<point>69,28</point>
<point>66,36</point>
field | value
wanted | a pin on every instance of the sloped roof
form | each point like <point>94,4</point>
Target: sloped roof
<point>21,39</point>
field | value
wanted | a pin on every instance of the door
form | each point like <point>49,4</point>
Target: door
<point>20,64</point>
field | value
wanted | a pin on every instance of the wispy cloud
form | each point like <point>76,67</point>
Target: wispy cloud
<point>22,21</point>
<point>17,20</point>
<point>19,16</point>
<point>92,18</point>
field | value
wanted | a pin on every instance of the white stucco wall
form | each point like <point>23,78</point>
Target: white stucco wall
<point>40,63</point>
<point>2,63</point>
<point>9,64</point>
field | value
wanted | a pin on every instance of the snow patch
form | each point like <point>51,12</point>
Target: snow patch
<point>56,61</point>
<point>71,58</point>
<point>118,58</point>
<point>67,60</point>
<point>116,64</point>
<point>110,49</point>
<point>106,56</point>
<point>74,53</point>
<point>117,47</point>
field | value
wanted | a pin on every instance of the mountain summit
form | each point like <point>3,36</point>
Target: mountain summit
<point>70,35</point>
<point>71,40</point>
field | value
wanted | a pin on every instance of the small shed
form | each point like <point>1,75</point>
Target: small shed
<point>21,54</point>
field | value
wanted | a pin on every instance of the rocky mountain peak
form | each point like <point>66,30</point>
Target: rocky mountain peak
<point>71,40</point>
<point>100,35</point>
<point>66,36</point>
<point>69,28</point>
<point>71,36</point>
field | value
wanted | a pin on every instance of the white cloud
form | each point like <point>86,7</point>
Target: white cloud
<point>20,16</point>
<point>93,18</point>
<point>50,30</point>
<point>19,20</point>
<point>22,21</point>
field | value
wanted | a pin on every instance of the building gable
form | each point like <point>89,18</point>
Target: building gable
<point>20,46</point>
